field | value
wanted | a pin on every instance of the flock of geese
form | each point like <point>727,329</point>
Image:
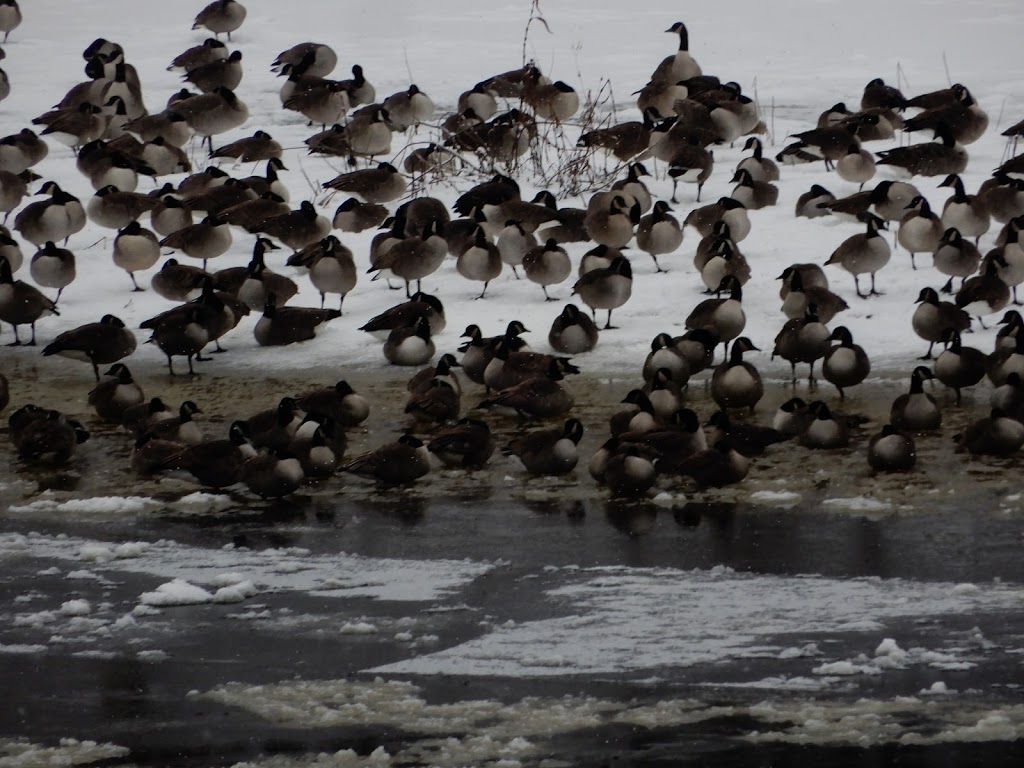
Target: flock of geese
<point>685,114</point>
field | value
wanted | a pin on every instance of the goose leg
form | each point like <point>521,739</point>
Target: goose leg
<point>136,287</point>
<point>928,355</point>
<point>856,285</point>
<point>873,291</point>
<point>608,325</point>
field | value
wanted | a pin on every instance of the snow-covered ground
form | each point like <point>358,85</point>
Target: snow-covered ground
<point>796,63</point>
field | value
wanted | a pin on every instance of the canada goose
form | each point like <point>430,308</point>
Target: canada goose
<point>136,418</point>
<point>624,140</point>
<point>920,229</point>
<point>824,429</point>
<point>10,251</point>
<point>963,117</point>
<point>478,352</point>
<point>13,187</point>
<point>272,475</point>
<point>549,451</point>
<point>557,101</point>
<point>438,403</point>
<point>213,113</point>
<point>220,196</point>
<point>331,268</point>
<point>678,439</point>
<point>759,167</point>
<point>106,341</point>
<point>659,233</point>
<point>812,203</point>
<point>407,108</point>
<point>856,166</point>
<point>269,181</point>
<point>112,208</point>
<point>1006,359</point>
<point>216,463</point>
<point>205,240</point>
<point>986,293</point>
<point>539,212</point>
<point>340,402</point>
<point>55,219</point>
<point>289,325</point>
<point>959,366</point>
<point>499,189</point>
<point>178,428</point>
<point>318,59</point>
<point>208,51</point>
<point>413,258</point>
<point>754,195</point>
<point>259,281</point>
<point>168,126</point>
<point>994,435</point>
<point>274,427</point>
<point>442,370</point>
<point>514,242</point>
<point>632,185</point>
<point>828,144</point>
<point>221,16</point>
<point>723,317</point>
<point>717,466</point>
<point>169,214</point>
<point>356,216</point>
<point>468,444</point>
<point>748,439</point>
<point>610,219</point>
<point>681,65</point>
<point>297,229</point>
<point>736,383</point>
<point>74,127</point>
<point>53,267</point>
<point>698,347</point>
<point>547,265</point>
<point>607,288</point>
<point>48,437</point>
<point>665,357</point>
<point>1008,258</point>
<point>572,332</point>
<point>250,214</point>
<point>798,295</point>
<point>968,214</point>
<point>790,417</point>
<point>891,450</point>
<point>932,318</point>
<point>1006,337</point>
<point>846,364</point>
<point>539,396</point>
<point>481,261</point>
<point>878,94</point>
<point>666,395</point>
<point>259,146</point>
<point>179,282</point>
<point>930,158</point>
<point>406,314</point>
<point>421,211</point>
<point>480,100</point>
<point>375,185</point>
<point>410,345</point>
<point>503,139</point>
<point>397,463</point>
<point>722,258</point>
<point>509,366</point>
<point>10,17</point>
<point>956,257</point>
<point>732,212</point>
<point>1009,396</point>
<point>20,151</point>
<point>319,444</point>
<point>115,393</point>
<point>866,252</point>
<point>803,340</point>
<point>21,303</point>
<point>182,334</point>
<point>1004,197</point>
<point>219,73</point>
<point>598,257</point>
<point>105,165</point>
<point>660,95</point>
<point>690,163</point>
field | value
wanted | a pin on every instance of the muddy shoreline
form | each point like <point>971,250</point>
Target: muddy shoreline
<point>786,476</point>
